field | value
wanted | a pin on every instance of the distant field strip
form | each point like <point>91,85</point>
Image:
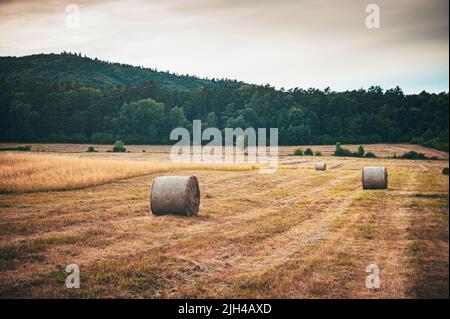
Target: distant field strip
<point>30,172</point>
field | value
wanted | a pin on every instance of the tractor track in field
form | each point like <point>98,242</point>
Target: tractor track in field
<point>140,241</point>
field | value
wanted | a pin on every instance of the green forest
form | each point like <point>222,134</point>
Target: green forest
<point>74,99</point>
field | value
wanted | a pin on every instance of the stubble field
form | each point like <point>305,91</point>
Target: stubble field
<point>299,233</point>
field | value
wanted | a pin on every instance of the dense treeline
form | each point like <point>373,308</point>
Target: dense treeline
<point>75,68</point>
<point>56,111</point>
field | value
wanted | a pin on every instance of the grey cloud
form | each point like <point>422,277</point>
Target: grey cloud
<point>285,42</point>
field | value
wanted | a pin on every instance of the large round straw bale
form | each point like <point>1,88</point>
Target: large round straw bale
<point>375,178</point>
<point>321,166</point>
<point>177,195</point>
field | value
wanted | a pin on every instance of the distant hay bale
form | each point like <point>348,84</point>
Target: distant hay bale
<point>175,195</point>
<point>445,171</point>
<point>375,178</point>
<point>321,166</point>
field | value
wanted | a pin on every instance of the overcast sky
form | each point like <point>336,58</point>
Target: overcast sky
<point>286,43</point>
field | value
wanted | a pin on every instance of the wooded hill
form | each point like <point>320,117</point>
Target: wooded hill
<point>69,98</point>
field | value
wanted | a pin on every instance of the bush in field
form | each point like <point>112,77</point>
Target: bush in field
<point>340,151</point>
<point>119,147</point>
<point>24,148</point>
<point>309,152</point>
<point>318,153</point>
<point>18,148</point>
<point>91,149</point>
<point>370,155</point>
<point>361,151</point>
<point>298,152</point>
<point>414,155</point>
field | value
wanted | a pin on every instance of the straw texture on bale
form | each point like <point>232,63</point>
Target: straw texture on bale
<point>321,166</point>
<point>375,178</point>
<point>445,171</point>
<point>175,195</point>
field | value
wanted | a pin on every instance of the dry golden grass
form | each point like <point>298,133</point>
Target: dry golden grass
<point>298,233</point>
<point>31,172</point>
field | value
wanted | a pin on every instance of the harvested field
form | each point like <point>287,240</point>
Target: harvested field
<point>299,233</point>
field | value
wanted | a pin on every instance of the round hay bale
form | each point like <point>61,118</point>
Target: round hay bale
<point>175,195</point>
<point>321,166</point>
<point>375,178</point>
<point>445,171</point>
